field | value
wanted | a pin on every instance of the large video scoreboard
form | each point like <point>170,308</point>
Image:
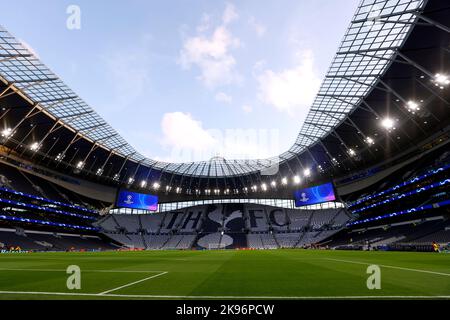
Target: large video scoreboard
<point>314,195</point>
<point>134,200</point>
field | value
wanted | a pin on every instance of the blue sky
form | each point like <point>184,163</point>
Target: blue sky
<point>188,80</point>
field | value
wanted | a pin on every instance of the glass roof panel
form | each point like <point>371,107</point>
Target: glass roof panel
<point>365,53</point>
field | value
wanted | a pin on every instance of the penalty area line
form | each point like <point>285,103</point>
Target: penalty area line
<point>132,283</point>
<point>390,267</point>
<point>143,296</point>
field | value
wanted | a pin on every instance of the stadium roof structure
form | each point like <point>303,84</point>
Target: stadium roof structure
<point>379,59</point>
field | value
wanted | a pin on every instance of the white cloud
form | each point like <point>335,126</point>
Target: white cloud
<point>259,29</point>
<point>200,143</point>
<point>182,131</point>
<point>247,108</point>
<point>223,97</point>
<point>291,90</point>
<point>205,24</point>
<point>230,14</point>
<point>212,54</point>
<point>258,67</point>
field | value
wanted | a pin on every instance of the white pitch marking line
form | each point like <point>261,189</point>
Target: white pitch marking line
<point>133,283</point>
<point>102,271</point>
<point>391,267</point>
<point>220,297</point>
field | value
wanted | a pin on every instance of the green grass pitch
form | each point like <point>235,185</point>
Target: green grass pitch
<point>279,274</point>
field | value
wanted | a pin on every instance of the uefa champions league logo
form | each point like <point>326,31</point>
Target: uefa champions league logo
<point>129,199</point>
<point>304,198</point>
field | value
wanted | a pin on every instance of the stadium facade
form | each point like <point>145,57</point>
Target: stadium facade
<point>378,131</point>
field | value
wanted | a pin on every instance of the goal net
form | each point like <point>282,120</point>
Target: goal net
<point>214,246</point>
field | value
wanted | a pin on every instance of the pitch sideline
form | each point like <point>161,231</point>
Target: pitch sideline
<point>108,295</point>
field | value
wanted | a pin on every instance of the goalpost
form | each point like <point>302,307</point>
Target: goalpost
<point>214,246</point>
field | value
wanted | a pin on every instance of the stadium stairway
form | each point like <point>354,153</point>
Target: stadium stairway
<point>166,242</point>
<point>302,235</point>
<point>276,241</point>
<point>143,240</point>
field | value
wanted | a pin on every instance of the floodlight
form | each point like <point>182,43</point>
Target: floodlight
<point>80,165</point>
<point>370,141</point>
<point>6,133</point>
<point>441,79</point>
<point>388,123</point>
<point>412,106</point>
<point>34,146</point>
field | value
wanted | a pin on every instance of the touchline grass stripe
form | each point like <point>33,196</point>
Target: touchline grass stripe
<point>101,271</point>
<point>143,296</point>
